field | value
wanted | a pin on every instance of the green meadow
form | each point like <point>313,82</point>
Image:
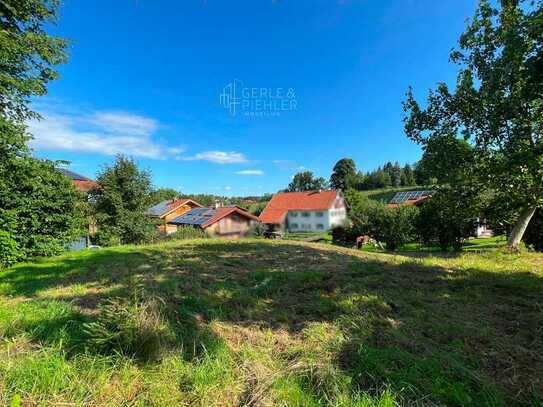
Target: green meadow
<point>272,323</point>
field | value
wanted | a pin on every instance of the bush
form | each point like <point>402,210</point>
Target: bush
<point>392,226</point>
<point>188,232</point>
<point>450,216</point>
<point>534,233</point>
<point>9,250</point>
<point>121,203</point>
<point>135,329</point>
<point>106,237</point>
<point>344,235</point>
<point>257,230</point>
<point>39,207</point>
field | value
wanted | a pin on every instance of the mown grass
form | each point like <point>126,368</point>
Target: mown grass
<point>478,245</point>
<point>265,323</point>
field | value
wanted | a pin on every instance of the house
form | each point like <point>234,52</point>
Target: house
<point>418,197</point>
<point>170,209</point>
<point>231,222</point>
<point>409,198</point>
<point>82,184</point>
<point>305,211</point>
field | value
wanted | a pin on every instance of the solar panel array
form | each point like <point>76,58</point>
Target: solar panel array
<point>401,197</point>
<point>73,175</point>
<point>195,216</point>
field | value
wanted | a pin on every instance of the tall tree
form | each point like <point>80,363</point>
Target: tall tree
<point>408,176</point>
<point>497,105</point>
<point>396,174</point>
<point>343,172</point>
<point>39,207</point>
<point>121,202</point>
<point>306,181</point>
<point>163,194</point>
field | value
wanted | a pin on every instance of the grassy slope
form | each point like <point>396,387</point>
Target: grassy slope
<point>280,323</point>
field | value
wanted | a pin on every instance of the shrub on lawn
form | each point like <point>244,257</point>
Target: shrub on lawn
<point>136,329</point>
<point>188,232</point>
<point>344,235</point>
<point>9,250</point>
<point>450,217</point>
<point>392,226</point>
<point>395,226</point>
<point>257,230</point>
<point>534,233</point>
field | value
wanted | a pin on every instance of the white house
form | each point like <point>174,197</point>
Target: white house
<point>311,211</point>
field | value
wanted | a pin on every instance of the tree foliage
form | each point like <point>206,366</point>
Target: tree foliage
<point>497,106</point>
<point>306,181</point>
<point>39,207</point>
<point>450,216</point>
<point>534,233</point>
<point>391,226</point>
<point>162,194</point>
<point>344,170</point>
<point>27,55</point>
<point>121,202</point>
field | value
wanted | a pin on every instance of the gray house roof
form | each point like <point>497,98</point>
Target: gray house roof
<point>196,216</point>
<point>164,207</point>
<point>73,175</point>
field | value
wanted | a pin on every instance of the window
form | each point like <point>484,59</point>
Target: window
<point>306,214</point>
<point>294,226</point>
<point>319,214</point>
<point>320,226</point>
<point>293,214</point>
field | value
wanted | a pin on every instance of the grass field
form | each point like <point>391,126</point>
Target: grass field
<point>471,245</point>
<point>271,323</point>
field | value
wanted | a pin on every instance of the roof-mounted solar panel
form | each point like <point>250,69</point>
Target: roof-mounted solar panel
<point>401,197</point>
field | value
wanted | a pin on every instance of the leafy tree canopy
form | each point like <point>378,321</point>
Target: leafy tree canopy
<point>27,54</point>
<point>306,181</point>
<point>162,194</point>
<point>497,105</point>
<point>39,207</point>
<point>344,170</point>
<point>121,202</point>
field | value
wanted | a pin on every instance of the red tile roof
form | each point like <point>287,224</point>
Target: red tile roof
<point>84,186</point>
<point>282,202</point>
<point>223,212</point>
<point>415,202</point>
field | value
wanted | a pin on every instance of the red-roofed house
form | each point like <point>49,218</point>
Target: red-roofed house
<point>81,183</point>
<point>171,209</point>
<point>305,211</point>
<point>231,222</point>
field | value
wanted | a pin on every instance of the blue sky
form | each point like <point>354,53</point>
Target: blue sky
<point>145,77</point>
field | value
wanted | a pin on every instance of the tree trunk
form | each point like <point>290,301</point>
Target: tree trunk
<point>520,227</point>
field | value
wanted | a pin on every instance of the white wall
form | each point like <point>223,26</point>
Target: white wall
<point>317,221</point>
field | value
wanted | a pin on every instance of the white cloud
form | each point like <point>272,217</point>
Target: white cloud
<point>227,188</point>
<point>250,172</point>
<point>106,133</point>
<point>288,165</point>
<point>217,157</point>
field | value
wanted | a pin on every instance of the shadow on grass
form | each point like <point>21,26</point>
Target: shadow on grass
<point>457,335</point>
